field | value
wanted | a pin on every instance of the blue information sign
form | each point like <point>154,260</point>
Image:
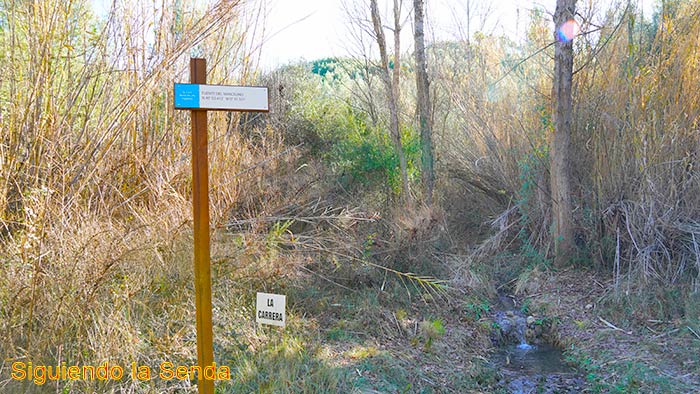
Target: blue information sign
<point>186,95</point>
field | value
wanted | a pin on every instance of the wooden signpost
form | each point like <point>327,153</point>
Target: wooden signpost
<point>198,97</point>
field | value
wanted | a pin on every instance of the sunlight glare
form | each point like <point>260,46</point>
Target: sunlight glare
<point>568,30</point>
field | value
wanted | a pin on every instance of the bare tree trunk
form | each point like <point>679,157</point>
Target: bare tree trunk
<point>391,94</point>
<point>423,104</point>
<point>560,174</point>
<point>396,71</point>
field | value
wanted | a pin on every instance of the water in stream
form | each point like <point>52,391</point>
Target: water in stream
<point>530,366</point>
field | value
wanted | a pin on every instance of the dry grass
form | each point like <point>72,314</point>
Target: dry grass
<point>94,178</point>
<point>636,144</point>
<point>642,148</point>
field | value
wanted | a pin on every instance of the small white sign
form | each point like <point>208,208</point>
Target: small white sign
<point>270,309</point>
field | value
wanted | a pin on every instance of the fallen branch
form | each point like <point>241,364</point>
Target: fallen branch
<point>305,219</point>
<point>651,329</point>
<point>614,327</point>
<point>325,278</point>
<point>665,333</point>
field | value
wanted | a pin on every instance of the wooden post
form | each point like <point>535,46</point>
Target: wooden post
<point>198,97</point>
<point>200,210</point>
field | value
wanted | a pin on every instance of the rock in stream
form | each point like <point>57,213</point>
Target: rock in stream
<point>526,361</point>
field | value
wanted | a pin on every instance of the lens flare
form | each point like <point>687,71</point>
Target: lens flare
<point>568,30</point>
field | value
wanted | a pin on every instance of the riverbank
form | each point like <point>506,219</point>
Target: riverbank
<point>618,349</point>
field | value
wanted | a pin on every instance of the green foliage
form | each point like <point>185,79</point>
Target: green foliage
<point>326,66</point>
<point>525,307</point>
<point>335,69</point>
<point>323,113</point>
<point>276,237</point>
<point>363,352</point>
<point>277,231</point>
<point>338,334</point>
<point>633,377</point>
<point>363,154</point>
<point>533,256</point>
<point>432,329</point>
<point>382,373</point>
<point>692,310</point>
<point>548,321</point>
<point>401,314</point>
<point>478,308</point>
<point>607,373</point>
<point>438,327</point>
<point>282,366</point>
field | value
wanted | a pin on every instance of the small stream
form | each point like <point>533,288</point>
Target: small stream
<point>527,362</point>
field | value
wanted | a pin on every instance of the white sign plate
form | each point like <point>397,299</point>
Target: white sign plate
<point>270,309</point>
<point>221,97</point>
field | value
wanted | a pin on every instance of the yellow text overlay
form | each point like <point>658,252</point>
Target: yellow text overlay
<point>40,374</point>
